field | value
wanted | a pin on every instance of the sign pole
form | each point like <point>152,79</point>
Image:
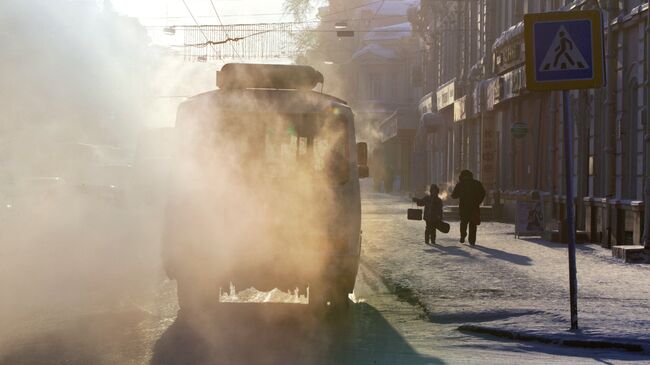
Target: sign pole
<point>571,229</point>
<point>564,51</point>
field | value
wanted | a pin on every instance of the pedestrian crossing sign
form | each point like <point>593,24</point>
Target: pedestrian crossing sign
<point>564,50</point>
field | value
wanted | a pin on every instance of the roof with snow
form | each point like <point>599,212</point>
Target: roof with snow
<point>509,34</point>
<point>375,50</point>
<point>390,7</point>
<point>390,32</point>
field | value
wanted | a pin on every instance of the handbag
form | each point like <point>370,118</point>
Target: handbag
<point>443,226</point>
<point>414,214</point>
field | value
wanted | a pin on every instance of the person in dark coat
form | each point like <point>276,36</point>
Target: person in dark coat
<point>432,212</point>
<point>470,193</point>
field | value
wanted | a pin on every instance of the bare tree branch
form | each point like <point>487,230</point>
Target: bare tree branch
<point>300,9</point>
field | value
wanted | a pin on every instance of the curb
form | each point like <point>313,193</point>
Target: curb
<point>402,292</point>
<point>554,340</point>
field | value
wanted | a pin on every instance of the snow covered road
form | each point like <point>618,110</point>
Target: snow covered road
<point>502,282</point>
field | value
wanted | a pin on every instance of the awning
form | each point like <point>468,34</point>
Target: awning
<point>431,122</point>
<point>377,51</point>
<point>480,97</point>
<point>509,34</point>
<point>462,108</point>
<point>402,124</point>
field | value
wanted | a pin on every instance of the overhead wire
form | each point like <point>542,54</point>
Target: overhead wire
<point>199,26</point>
<point>377,11</point>
<point>257,14</point>
<point>296,22</point>
<point>356,7</point>
<point>209,42</point>
<point>226,33</point>
<point>335,31</point>
<point>287,23</point>
<point>212,16</point>
<point>231,40</point>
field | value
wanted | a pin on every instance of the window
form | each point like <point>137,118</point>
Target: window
<point>311,144</point>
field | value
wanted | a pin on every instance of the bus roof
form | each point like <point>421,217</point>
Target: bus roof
<point>260,100</point>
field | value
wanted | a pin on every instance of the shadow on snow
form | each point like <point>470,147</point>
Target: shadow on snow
<point>492,252</point>
<point>251,334</point>
<point>505,256</point>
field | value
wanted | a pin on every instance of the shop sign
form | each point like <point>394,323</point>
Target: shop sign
<point>480,97</point>
<point>518,80</point>
<point>495,92</point>
<point>509,56</point>
<point>460,106</point>
<point>446,94</point>
<point>514,83</point>
<point>491,91</point>
<point>519,130</point>
<point>426,104</point>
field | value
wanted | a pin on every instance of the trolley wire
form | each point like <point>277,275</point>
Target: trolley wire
<point>228,38</point>
<point>199,26</point>
<point>311,21</point>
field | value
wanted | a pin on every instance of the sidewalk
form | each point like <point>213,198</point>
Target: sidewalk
<point>505,286</point>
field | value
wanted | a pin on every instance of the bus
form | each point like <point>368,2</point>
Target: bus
<point>265,189</point>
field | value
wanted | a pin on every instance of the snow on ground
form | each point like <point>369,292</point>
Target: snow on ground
<point>515,284</point>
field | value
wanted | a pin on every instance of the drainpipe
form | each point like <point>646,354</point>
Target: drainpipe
<point>610,107</point>
<point>491,13</point>
<point>583,159</point>
<point>553,155</point>
<point>646,149</point>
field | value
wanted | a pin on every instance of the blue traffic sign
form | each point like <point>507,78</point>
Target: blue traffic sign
<point>564,50</point>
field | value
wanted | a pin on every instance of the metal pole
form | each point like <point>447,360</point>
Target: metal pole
<point>571,234</point>
<point>646,211</point>
<point>646,167</point>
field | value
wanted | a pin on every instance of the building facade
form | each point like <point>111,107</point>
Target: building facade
<point>487,121</point>
<point>373,68</point>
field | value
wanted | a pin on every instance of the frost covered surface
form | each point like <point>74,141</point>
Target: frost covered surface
<point>252,295</point>
<point>503,282</point>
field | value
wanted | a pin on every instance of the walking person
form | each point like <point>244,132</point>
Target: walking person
<point>432,213</point>
<point>470,194</point>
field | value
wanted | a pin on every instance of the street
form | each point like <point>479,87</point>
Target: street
<point>259,151</point>
<point>381,326</point>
